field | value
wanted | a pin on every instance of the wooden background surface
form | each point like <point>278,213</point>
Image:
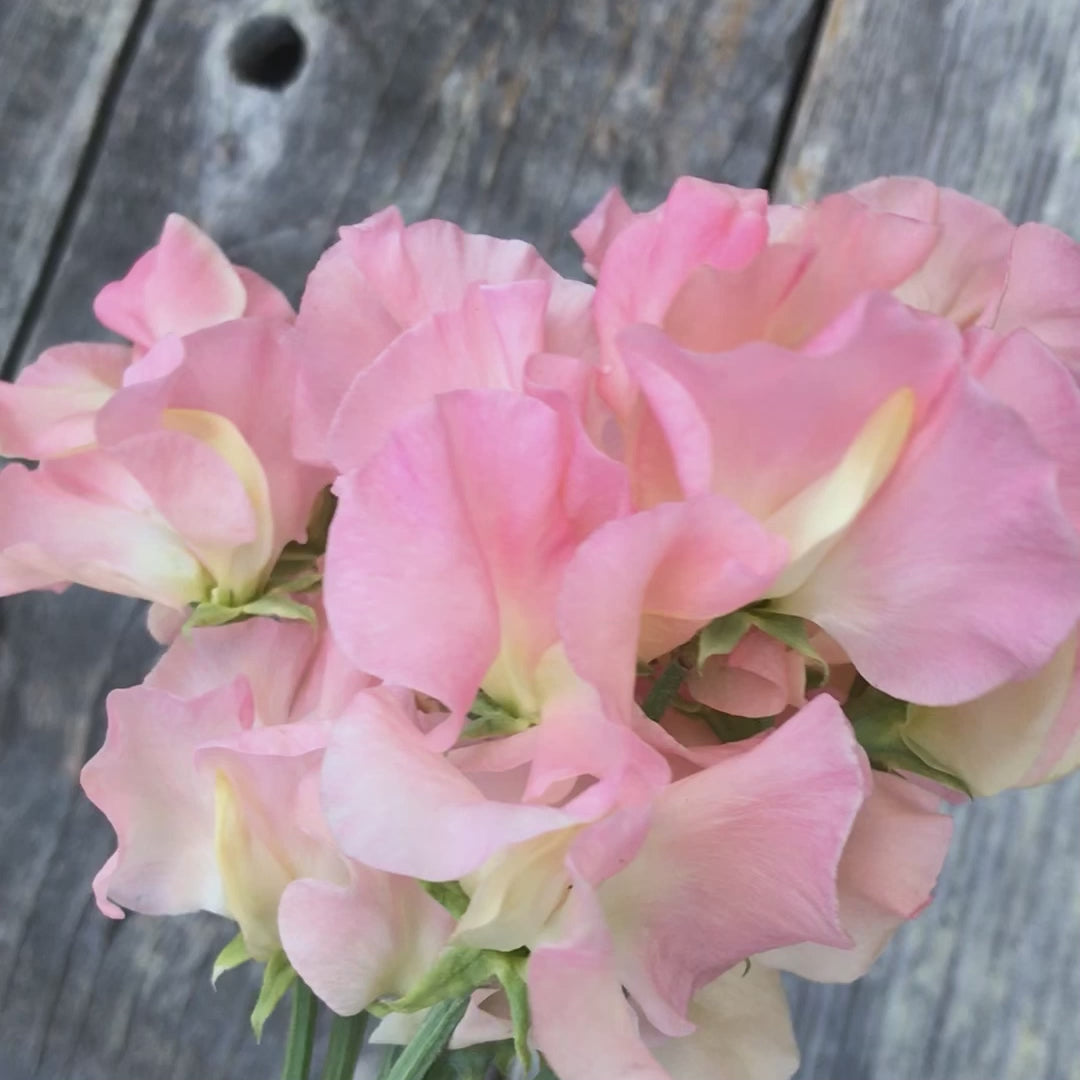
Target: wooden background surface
<point>511,116</point>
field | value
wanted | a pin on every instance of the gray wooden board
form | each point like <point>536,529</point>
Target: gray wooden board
<point>55,65</point>
<point>508,117</point>
<point>982,96</point>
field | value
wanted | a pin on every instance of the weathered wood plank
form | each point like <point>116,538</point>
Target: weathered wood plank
<point>977,95</point>
<point>57,58</point>
<point>513,118</point>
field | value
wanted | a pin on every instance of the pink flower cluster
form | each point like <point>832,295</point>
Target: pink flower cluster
<point>652,622</point>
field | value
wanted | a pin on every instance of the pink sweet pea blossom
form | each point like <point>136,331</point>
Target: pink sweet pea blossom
<point>183,284</point>
<point>383,278</point>
<point>209,774</point>
<point>189,492</point>
<point>871,427</point>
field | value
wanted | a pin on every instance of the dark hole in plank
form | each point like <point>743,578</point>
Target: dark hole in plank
<point>267,51</point>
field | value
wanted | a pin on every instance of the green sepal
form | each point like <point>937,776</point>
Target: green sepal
<point>790,630</point>
<point>729,728</point>
<point>233,955</point>
<point>879,722</point>
<point>278,976</point>
<point>459,971</point>
<point>276,604</point>
<point>448,893</point>
<point>721,636</point>
<point>487,717</point>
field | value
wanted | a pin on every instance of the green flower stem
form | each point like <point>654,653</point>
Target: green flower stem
<point>430,1041</point>
<point>305,1008</point>
<point>346,1039</point>
<point>390,1056</point>
<point>664,690</point>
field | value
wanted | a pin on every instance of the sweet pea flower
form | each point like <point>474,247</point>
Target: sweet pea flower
<point>843,420</point>
<point>189,493</point>
<point>183,284</point>
<point>210,772</point>
<point>384,278</point>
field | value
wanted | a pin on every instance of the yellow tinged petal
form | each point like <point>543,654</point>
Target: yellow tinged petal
<point>515,893</point>
<point>992,742</point>
<point>238,570</point>
<point>814,519</point>
<point>252,878</point>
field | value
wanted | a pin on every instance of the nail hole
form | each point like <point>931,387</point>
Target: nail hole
<point>267,51</point>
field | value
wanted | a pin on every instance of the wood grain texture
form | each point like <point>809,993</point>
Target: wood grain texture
<point>56,58</point>
<point>980,95</point>
<point>509,117</point>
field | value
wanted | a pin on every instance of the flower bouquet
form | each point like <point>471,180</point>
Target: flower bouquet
<point>549,665</point>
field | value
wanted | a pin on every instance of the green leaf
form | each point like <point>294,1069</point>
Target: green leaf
<point>278,976</point>
<point>233,955</point>
<point>448,893</point>
<point>343,1050</point>
<point>487,717</point>
<point>879,722</point>
<point>721,636</point>
<point>790,630</point>
<point>298,1049</point>
<point>430,1041</point>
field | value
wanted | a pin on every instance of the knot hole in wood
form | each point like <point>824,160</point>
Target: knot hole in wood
<point>267,51</point>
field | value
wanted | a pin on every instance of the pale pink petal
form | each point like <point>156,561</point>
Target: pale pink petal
<point>384,277</point>
<point>761,423</point>
<point>50,409</point>
<point>145,781</point>
<point>264,300</point>
<point>447,549</point>
<point>581,1020</point>
<point>968,524</point>
<point>740,858</point>
<point>1024,374</point>
<point>604,222</point>
<point>269,828</point>
<point>647,263</point>
<point>483,344</point>
<point>743,1031</point>
<point>1041,291</point>
<point>272,654</point>
<point>965,271</point>
<point>239,371</point>
<point>355,943</point>
<point>182,284</point>
<point>396,805</point>
<point>716,310</point>
<point>855,250</point>
<point>198,441</point>
<point>82,519</point>
<point>889,867</point>
<point>643,584</point>
<point>1007,738</point>
<point>754,679</point>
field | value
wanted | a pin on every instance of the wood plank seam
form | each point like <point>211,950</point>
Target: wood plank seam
<point>816,17</point>
<point>58,243</point>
